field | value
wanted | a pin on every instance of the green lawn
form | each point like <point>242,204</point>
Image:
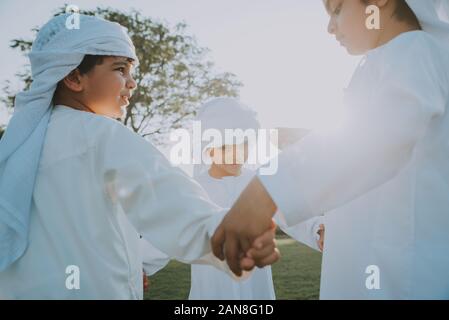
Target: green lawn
<point>296,275</point>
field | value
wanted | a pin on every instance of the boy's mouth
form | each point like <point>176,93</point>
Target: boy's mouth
<point>125,98</point>
<point>340,40</point>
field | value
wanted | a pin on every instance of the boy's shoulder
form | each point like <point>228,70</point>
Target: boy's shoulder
<point>412,45</point>
<point>86,127</point>
<point>415,54</point>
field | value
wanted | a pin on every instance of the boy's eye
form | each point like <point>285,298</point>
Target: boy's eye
<point>121,69</point>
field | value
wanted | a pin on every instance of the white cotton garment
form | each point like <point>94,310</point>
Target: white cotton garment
<point>211,283</point>
<point>153,260</point>
<point>382,178</point>
<point>433,15</point>
<point>94,172</point>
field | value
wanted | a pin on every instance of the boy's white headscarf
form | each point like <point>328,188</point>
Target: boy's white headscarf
<point>56,51</point>
<point>221,114</point>
<point>433,15</point>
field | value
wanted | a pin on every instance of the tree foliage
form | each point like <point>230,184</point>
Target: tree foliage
<point>174,75</point>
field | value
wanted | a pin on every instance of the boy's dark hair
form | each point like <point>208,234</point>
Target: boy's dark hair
<point>89,62</point>
<point>403,12</point>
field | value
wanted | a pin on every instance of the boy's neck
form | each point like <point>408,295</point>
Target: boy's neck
<point>72,103</point>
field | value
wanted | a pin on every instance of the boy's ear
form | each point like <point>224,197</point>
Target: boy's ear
<point>73,81</point>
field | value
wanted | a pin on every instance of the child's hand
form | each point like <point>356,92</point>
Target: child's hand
<point>320,241</point>
<point>146,282</point>
<point>249,218</point>
<point>263,251</point>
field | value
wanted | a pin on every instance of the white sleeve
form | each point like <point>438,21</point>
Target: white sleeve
<point>305,232</point>
<point>323,172</point>
<point>168,208</point>
<point>153,260</point>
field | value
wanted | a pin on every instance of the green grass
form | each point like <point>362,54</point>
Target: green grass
<point>295,276</point>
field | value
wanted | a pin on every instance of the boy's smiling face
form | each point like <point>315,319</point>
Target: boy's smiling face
<point>105,89</point>
<point>109,86</point>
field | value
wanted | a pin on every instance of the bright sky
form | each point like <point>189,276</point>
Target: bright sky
<point>293,71</point>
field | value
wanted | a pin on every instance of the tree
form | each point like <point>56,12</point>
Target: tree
<point>174,75</point>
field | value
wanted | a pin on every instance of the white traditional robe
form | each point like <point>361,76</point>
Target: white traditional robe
<point>94,172</point>
<point>383,179</point>
<point>208,282</point>
<point>153,260</point>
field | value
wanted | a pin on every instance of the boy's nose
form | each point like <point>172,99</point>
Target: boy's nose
<point>131,83</point>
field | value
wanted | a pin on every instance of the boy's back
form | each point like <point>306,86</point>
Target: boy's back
<point>74,221</point>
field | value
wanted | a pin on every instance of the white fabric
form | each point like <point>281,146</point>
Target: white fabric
<point>227,113</point>
<point>55,52</point>
<point>209,283</point>
<point>383,179</point>
<point>94,173</point>
<point>433,16</point>
<point>153,260</point>
<point>305,232</point>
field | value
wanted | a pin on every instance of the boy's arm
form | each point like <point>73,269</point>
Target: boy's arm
<point>328,169</point>
<point>165,205</point>
<point>325,171</point>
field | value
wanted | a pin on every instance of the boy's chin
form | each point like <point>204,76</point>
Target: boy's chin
<point>355,51</point>
<point>116,113</point>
